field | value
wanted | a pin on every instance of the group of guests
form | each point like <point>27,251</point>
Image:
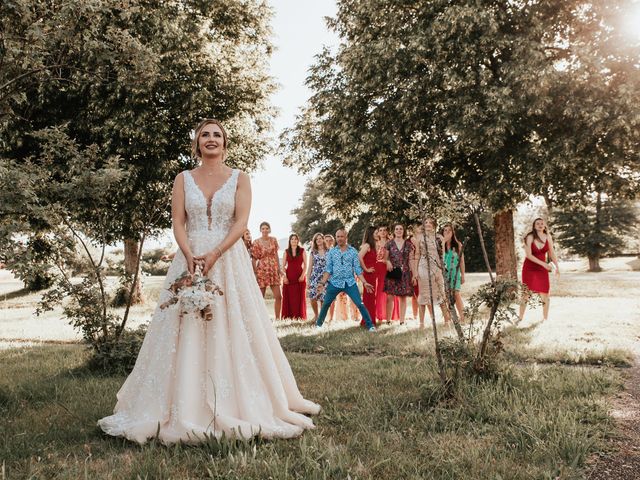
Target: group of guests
<point>423,265</point>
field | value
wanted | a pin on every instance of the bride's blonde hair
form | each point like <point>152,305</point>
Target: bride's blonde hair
<point>195,149</point>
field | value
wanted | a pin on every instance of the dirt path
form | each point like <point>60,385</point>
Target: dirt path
<point>622,462</point>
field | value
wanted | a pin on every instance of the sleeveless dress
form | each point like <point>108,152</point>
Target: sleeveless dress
<point>194,378</point>
<point>369,299</point>
<point>268,268</point>
<point>451,267</point>
<point>381,296</point>
<point>319,262</point>
<point>294,302</point>
<point>535,276</point>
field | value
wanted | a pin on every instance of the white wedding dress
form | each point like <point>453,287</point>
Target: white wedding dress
<point>194,378</point>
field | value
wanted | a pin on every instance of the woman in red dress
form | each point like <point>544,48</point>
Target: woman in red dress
<point>294,301</point>
<point>535,270</point>
<point>381,273</point>
<point>368,259</point>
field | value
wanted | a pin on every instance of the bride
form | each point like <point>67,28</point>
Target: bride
<point>194,378</point>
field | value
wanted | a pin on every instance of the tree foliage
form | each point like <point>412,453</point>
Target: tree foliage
<point>492,98</point>
<point>595,227</point>
<point>128,80</point>
<point>98,100</point>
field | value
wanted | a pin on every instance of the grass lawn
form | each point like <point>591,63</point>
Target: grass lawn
<point>380,419</point>
<point>381,416</point>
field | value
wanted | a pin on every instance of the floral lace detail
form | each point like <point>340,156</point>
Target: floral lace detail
<point>230,369</point>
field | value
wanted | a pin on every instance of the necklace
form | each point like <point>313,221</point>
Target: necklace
<point>208,172</point>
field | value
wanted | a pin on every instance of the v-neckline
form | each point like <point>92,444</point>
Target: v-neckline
<point>207,200</point>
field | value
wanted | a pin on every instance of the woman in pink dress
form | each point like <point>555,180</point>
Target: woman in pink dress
<point>535,270</point>
<point>265,251</point>
<point>368,259</point>
<point>294,302</point>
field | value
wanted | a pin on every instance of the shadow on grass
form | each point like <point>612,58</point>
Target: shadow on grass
<point>357,341</point>
<point>23,292</point>
<point>517,349</point>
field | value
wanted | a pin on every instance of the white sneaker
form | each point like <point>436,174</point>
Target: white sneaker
<point>372,329</point>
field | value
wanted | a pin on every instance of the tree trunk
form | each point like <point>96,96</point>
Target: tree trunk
<point>130,263</point>
<point>594,263</point>
<point>506,261</point>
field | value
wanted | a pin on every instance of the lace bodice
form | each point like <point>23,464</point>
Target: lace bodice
<point>214,218</point>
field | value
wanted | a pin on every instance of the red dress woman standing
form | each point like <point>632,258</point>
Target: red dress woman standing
<point>535,270</point>
<point>381,273</point>
<point>368,259</point>
<point>294,302</point>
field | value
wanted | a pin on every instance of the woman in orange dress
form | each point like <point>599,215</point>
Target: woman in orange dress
<point>294,302</point>
<point>265,251</point>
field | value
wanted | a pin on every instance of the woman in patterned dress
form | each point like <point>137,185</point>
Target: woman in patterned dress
<point>265,251</point>
<point>428,264</point>
<point>399,255</point>
<point>317,262</point>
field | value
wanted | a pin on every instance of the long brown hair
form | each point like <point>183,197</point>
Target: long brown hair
<point>455,244</point>
<point>298,248</point>
<point>369,238</point>
<point>314,246</point>
<point>534,232</point>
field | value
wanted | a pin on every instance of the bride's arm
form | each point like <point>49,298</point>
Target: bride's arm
<point>243,206</point>
<point>179,220</point>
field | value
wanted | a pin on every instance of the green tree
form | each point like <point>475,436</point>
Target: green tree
<point>132,78</point>
<point>460,97</point>
<point>595,227</point>
<point>312,215</point>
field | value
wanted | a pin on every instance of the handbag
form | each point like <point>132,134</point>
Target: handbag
<point>395,274</point>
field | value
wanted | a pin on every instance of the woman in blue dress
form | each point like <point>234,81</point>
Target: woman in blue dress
<point>317,262</point>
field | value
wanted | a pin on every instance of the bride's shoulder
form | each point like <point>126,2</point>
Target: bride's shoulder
<point>178,181</point>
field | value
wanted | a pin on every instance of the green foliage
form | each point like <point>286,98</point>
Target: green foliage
<point>129,80</point>
<point>118,355</point>
<point>596,226</point>
<point>98,100</point>
<point>502,100</point>
<point>313,216</point>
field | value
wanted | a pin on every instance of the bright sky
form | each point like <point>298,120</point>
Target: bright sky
<point>299,33</point>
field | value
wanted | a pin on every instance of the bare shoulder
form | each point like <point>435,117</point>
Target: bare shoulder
<point>243,178</point>
<point>528,239</point>
<point>178,182</point>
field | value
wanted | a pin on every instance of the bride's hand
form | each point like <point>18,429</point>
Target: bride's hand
<point>208,260</point>
<point>191,263</point>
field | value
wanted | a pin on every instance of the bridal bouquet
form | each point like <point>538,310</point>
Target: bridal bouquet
<point>193,293</point>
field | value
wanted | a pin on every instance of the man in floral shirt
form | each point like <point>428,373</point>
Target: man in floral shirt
<point>342,266</point>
